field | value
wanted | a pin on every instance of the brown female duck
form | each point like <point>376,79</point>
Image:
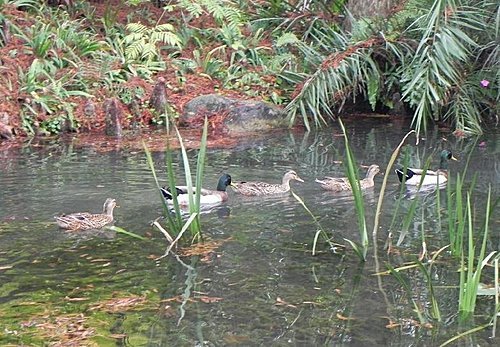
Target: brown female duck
<point>341,184</point>
<point>85,220</point>
<point>263,188</point>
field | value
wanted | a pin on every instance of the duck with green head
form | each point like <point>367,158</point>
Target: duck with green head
<point>417,177</point>
<point>207,196</point>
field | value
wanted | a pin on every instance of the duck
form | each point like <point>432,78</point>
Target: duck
<point>341,184</point>
<point>262,188</point>
<point>416,177</point>
<point>85,220</point>
<point>207,196</point>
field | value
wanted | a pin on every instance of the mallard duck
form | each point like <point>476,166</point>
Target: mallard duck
<point>414,177</point>
<point>263,188</point>
<point>207,196</point>
<point>85,220</point>
<point>342,183</point>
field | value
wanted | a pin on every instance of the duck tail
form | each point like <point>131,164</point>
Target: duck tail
<point>167,194</point>
<point>402,175</point>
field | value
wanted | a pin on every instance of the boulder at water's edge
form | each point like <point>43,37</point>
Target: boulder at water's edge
<point>240,115</point>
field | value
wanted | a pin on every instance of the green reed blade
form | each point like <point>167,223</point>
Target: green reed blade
<point>174,224</point>
<point>384,184</point>
<point>200,168</point>
<point>465,333</point>
<point>457,221</point>
<point>352,176</point>
<point>435,312</point>
<point>175,220</point>
<point>187,172</point>
<point>320,228</point>
<point>469,281</point>
<point>123,231</point>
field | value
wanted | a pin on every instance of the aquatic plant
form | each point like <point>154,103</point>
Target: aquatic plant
<point>320,231</point>
<point>471,268</point>
<point>350,164</point>
<point>174,214</point>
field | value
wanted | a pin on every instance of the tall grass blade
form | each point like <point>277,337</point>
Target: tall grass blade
<point>465,333</point>
<point>435,312</point>
<point>321,231</point>
<point>469,281</point>
<point>497,299</point>
<point>174,222</point>
<point>384,182</point>
<point>184,228</point>
<point>175,219</point>
<point>456,222</point>
<point>358,197</point>
<point>194,195</point>
<point>200,168</point>
<point>123,231</point>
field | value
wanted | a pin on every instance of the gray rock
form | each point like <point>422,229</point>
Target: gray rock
<point>241,116</point>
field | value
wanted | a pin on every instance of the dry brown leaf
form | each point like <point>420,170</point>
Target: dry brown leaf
<point>281,302</point>
<point>341,317</point>
<point>99,260</point>
<point>118,336</point>
<point>208,299</point>
<point>75,299</point>
<point>120,304</point>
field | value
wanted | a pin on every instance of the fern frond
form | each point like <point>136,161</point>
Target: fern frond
<point>287,39</point>
<point>166,37</point>
<point>194,8</point>
<point>135,49</point>
<point>137,28</point>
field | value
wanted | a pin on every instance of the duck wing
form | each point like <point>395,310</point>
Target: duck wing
<point>421,172</point>
<point>257,188</point>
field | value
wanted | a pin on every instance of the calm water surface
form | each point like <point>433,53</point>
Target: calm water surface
<point>260,285</point>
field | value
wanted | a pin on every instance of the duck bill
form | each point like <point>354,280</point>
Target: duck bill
<point>299,179</point>
<point>453,158</point>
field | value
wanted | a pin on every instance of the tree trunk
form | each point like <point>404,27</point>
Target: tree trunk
<point>368,9</point>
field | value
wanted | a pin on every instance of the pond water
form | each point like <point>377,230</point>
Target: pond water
<point>259,284</point>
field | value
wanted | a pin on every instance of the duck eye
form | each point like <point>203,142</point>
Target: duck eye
<point>449,155</point>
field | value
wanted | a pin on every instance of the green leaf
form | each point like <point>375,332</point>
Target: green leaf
<point>373,90</point>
